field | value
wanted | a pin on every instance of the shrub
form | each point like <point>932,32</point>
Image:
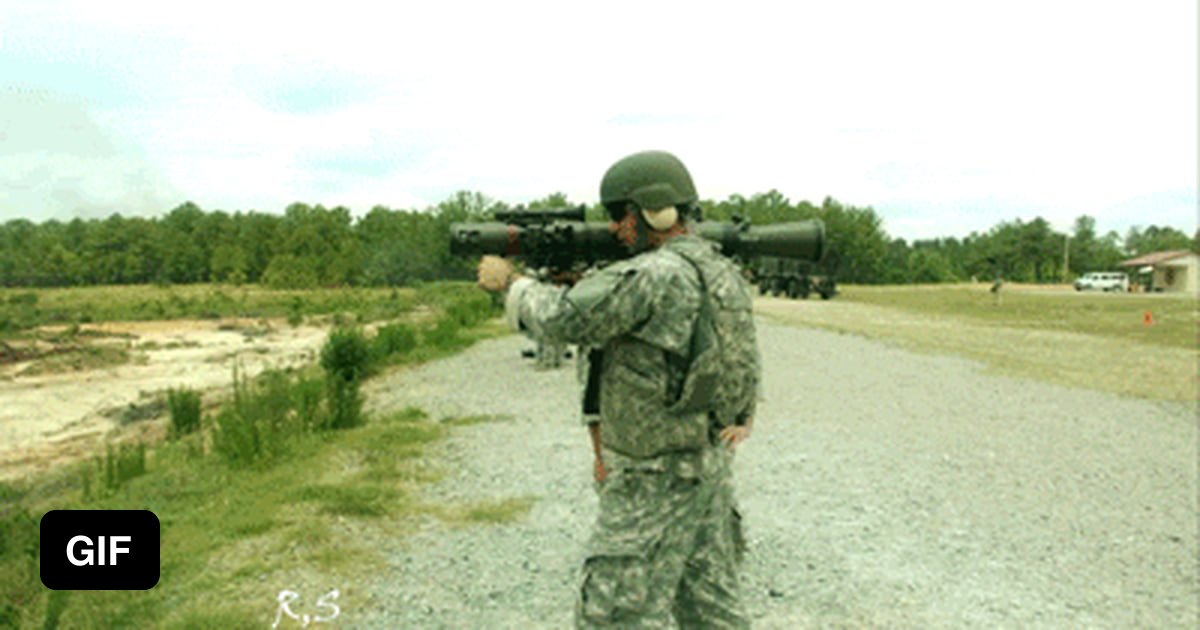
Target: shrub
<point>471,309</point>
<point>345,405</point>
<point>444,334</point>
<point>27,298</point>
<point>345,354</point>
<point>184,407</point>
<point>307,396</point>
<point>345,359</point>
<point>296,311</point>
<point>393,339</point>
<point>260,421</point>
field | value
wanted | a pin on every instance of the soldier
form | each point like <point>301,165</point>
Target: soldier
<point>666,546</point>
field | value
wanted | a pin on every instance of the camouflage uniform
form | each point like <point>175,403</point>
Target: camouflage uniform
<point>549,354</point>
<point>666,544</point>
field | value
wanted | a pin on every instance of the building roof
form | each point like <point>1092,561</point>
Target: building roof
<point>1155,258</point>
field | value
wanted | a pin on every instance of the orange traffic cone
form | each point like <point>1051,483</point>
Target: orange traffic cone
<point>1147,319</point>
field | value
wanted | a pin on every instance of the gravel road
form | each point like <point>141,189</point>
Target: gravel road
<point>881,488</point>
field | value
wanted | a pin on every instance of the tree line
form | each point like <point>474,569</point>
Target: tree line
<point>312,246</point>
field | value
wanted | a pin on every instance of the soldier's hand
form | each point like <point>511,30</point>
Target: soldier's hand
<point>599,473</point>
<point>734,435</point>
<point>495,273</point>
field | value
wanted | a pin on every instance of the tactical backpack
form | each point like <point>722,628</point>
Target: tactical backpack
<point>723,373</point>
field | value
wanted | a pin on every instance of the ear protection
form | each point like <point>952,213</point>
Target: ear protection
<point>661,219</point>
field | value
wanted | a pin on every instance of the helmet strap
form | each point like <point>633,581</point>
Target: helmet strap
<point>642,242</point>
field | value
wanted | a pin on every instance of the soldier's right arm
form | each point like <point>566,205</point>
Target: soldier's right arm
<point>600,307</point>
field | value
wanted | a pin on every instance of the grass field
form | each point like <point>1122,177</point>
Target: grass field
<point>21,309</point>
<point>234,536</point>
<point>1095,341</point>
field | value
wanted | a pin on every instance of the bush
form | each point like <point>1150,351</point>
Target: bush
<point>345,354</point>
<point>307,396</point>
<point>444,335</point>
<point>261,421</point>
<point>470,310</point>
<point>345,359</point>
<point>393,339</point>
<point>184,407</point>
<point>296,311</point>
<point>27,298</point>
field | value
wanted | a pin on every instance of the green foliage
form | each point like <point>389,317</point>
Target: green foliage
<point>296,312</point>
<point>445,335</point>
<point>262,420</point>
<point>358,500</point>
<point>314,246</point>
<point>113,469</point>
<point>345,354</point>
<point>290,272</point>
<point>1155,238</point>
<point>184,407</point>
<point>55,609</point>
<point>345,358</point>
<point>26,298</point>
<point>20,587</point>
<point>391,340</point>
<point>471,309</point>
<point>928,265</point>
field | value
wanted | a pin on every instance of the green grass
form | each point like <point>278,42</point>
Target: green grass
<point>232,539</point>
<point>21,309</point>
<point>236,532</point>
<point>1091,341</point>
<point>1108,315</point>
<point>493,512</point>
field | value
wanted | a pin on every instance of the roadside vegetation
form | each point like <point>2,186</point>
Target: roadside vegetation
<point>24,309</point>
<point>271,490</point>
<point>1130,344</point>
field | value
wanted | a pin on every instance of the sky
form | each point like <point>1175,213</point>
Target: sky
<point>945,117</point>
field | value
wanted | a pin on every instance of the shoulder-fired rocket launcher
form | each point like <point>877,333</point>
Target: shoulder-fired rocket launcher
<point>560,239</point>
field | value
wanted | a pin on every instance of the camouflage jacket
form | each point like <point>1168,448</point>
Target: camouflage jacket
<point>641,312</point>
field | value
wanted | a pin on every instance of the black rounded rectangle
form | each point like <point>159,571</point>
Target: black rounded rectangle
<point>100,550</point>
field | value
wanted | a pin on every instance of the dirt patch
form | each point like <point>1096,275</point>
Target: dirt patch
<point>52,418</point>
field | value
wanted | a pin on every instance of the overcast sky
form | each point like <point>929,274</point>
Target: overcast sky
<point>945,117</point>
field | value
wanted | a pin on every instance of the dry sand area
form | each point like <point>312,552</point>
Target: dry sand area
<point>51,418</point>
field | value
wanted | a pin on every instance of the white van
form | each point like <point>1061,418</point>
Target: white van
<point>1104,281</point>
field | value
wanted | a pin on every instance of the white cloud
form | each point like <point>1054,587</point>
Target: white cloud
<point>1011,109</point>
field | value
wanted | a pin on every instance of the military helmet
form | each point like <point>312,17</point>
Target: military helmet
<point>651,179</point>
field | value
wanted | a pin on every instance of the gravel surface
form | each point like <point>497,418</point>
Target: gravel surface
<point>881,488</point>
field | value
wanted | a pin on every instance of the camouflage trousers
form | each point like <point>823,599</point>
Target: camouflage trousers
<point>550,355</point>
<point>666,548</point>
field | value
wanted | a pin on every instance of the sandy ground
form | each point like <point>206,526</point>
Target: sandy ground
<point>51,418</point>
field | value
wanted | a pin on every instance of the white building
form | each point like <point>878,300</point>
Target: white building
<point>1176,271</point>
